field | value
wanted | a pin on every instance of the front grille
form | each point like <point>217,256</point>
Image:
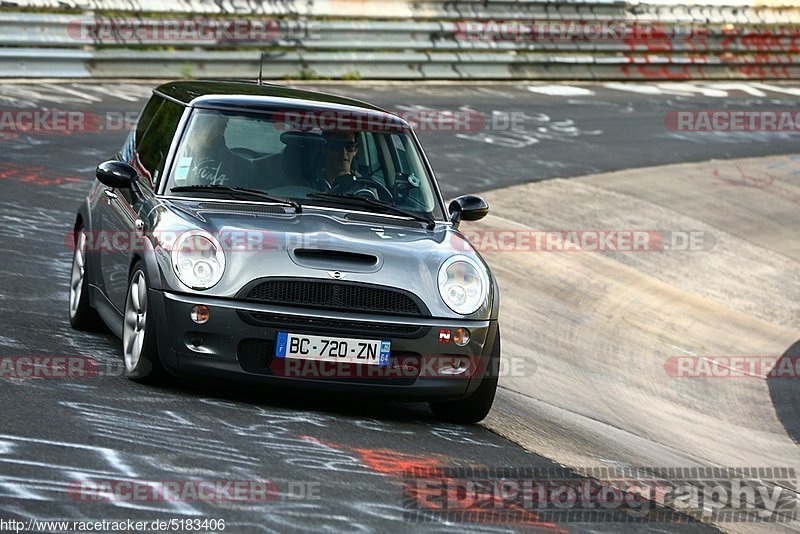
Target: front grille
<point>315,324</point>
<point>334,295</point>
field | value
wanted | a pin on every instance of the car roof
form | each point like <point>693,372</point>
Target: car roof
<point>231,93</point>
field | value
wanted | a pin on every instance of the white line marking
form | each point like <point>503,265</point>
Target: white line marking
<point>560,90</point>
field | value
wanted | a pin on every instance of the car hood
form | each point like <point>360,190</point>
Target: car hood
<point>262,241</point>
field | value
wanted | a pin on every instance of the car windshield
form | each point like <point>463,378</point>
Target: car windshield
<point>269,153</point>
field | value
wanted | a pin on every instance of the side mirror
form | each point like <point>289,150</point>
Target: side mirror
<point>468,208</point>
<point>117,174</point>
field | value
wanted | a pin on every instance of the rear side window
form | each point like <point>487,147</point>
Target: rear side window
<point>153,144</point>
<point>146,117</point>
<point>128,152</point>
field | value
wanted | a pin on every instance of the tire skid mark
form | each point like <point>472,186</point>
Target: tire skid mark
<point>36,175</point>
<point>395,464</point>
<point>755,179</point>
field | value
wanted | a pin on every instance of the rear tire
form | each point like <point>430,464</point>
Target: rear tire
<point>81,314</point>
<point>477,406</point>
<point>139,348</point>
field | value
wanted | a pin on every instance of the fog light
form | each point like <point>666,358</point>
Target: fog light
<point>461,336</point>
<point>456,366</point>
<point>200,314</point>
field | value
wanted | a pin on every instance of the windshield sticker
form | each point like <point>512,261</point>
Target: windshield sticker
<point>184,164</point>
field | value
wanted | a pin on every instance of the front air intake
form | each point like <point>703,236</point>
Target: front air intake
<point>344,296</point>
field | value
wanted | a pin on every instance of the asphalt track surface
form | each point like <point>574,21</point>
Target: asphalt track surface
<point>349,453</point>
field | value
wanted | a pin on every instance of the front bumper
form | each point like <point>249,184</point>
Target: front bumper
<point>238,342</point>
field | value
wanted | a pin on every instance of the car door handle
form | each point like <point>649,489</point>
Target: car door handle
<point>110,194</point>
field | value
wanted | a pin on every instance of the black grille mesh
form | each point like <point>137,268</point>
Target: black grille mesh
<point>334,295</point>
<point>327,325</point>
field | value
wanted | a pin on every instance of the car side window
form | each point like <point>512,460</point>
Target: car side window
<point>400,152</point>
<point>129,148</point>
<point>153,145</point>
<point>371,163</point>
<point>146,117</point>
<point>128,151</point>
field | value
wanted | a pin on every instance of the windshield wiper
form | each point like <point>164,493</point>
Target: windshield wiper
<point>355,200</point>
<point>238,192</point>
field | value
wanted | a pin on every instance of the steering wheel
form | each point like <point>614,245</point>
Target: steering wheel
<point>346,180</point>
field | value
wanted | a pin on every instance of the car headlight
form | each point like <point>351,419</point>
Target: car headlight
<point>198,259</point>
<point>462,284</point>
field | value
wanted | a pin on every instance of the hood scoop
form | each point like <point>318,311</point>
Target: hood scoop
<point>335,260</point>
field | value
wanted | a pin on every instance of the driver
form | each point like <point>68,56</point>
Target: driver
<point>336,174</point>
<point>337,160</point>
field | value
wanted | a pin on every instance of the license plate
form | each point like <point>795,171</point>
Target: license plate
<point>332,349</point>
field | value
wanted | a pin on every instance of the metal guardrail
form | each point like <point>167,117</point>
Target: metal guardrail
<point>64,31</point>
<point>722,11</point>
<point>364,9</point>
<point>63,45</point>
<point>386,65</point>
<point>705,11</point>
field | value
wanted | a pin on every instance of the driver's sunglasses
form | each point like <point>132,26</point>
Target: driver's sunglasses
<point>350,146</point>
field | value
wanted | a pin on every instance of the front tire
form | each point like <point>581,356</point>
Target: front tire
<point>477,406</point>
<point>139,348</point>
<point>81,314</point>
